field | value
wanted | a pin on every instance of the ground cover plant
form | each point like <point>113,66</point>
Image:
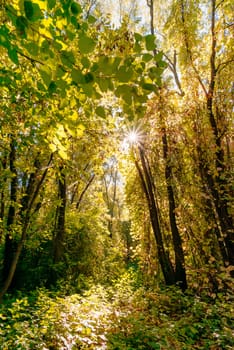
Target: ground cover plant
<point>122,316</point>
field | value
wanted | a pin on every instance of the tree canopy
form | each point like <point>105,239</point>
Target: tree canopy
<point>116,165</point>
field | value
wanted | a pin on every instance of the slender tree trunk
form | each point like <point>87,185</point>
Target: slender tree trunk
<point>2,197</point>
<point>180,273</point>
<point>220,194</point>
<point>24,217</point>
<point>60,220</point>
<point>84,191</point>
<point>147,185</point>
<point>9,241</point>
<point>150,3</point>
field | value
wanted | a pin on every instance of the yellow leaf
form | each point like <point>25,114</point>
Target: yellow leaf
<point>52,147</point>
<point>61,132</point>
<point>72,102</point>
<point>45,32</point>
<point>61,23</point>
<point>80,130</point>
<point>63,154</point>
<point>63,44</point>
<point>73,116</point>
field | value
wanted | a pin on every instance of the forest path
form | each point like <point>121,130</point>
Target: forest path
<point>124,316</point>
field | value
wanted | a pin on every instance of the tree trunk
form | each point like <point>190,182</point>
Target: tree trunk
<point>217,183</point>
<point>2,195</point>
<point>24,216</point>
<point>9,241</point>
<point>60,218</point>
<point>147,185</point>
<point>180,273</point>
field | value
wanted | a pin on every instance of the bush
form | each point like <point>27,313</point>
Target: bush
<point>124,316</point>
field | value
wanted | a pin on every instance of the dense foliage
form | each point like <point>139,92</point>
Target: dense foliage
<point>125,316</point>
<point>116,174</point>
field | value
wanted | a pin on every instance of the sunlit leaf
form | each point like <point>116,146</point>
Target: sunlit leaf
<point>52,147</point>
<point>147,57</point>
<point>92,19</point>
<point>138,37</point>
<point>63,154</point>
<point>61,132</point>
<point>100,111</point>
<point>80,130</point>
<point>86,45</point>
<point>150,42</point>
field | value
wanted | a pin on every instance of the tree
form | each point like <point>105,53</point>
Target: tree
<point>57,67</point>
<point>205,122</point>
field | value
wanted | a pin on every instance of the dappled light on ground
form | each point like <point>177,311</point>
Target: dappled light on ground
<point>122,317</point>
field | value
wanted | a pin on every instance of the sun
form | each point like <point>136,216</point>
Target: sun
<point>133,137</point>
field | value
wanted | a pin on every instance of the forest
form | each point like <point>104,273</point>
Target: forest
<point>116,174</point>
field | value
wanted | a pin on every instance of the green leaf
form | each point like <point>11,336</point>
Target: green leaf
<point>61,84</point>
<point>85,62</point>
<point>75,22</point>
<point>77,76</point>
<point>137,36</point>
<point>52,87</point>
<point>124,91</point>
<point>89,78</point>
<point>124,74</point>
<point>76,8</point>
<point>149,87</point>
<point>46,76</point>
<point>21,25</point>
<point>150,42</point>
<point>147,57</point>
<point>86,45</point>
<point>12,53</point>
<point>137,48</point>
<point>4,41</point>
<point>88,90</point>
<point>32,48</point>
<point>28,9</point>
<point>67,58</point>
<point>59,72</point>
<point>4,36</point>
<point>158,57</point>
<point>51,4</point>
<point>32,11</point>
<point>100,111</point>
<point>103,84</point>
<point>92,19</point>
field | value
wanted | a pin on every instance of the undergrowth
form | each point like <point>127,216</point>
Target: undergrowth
<point>126,316</point>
